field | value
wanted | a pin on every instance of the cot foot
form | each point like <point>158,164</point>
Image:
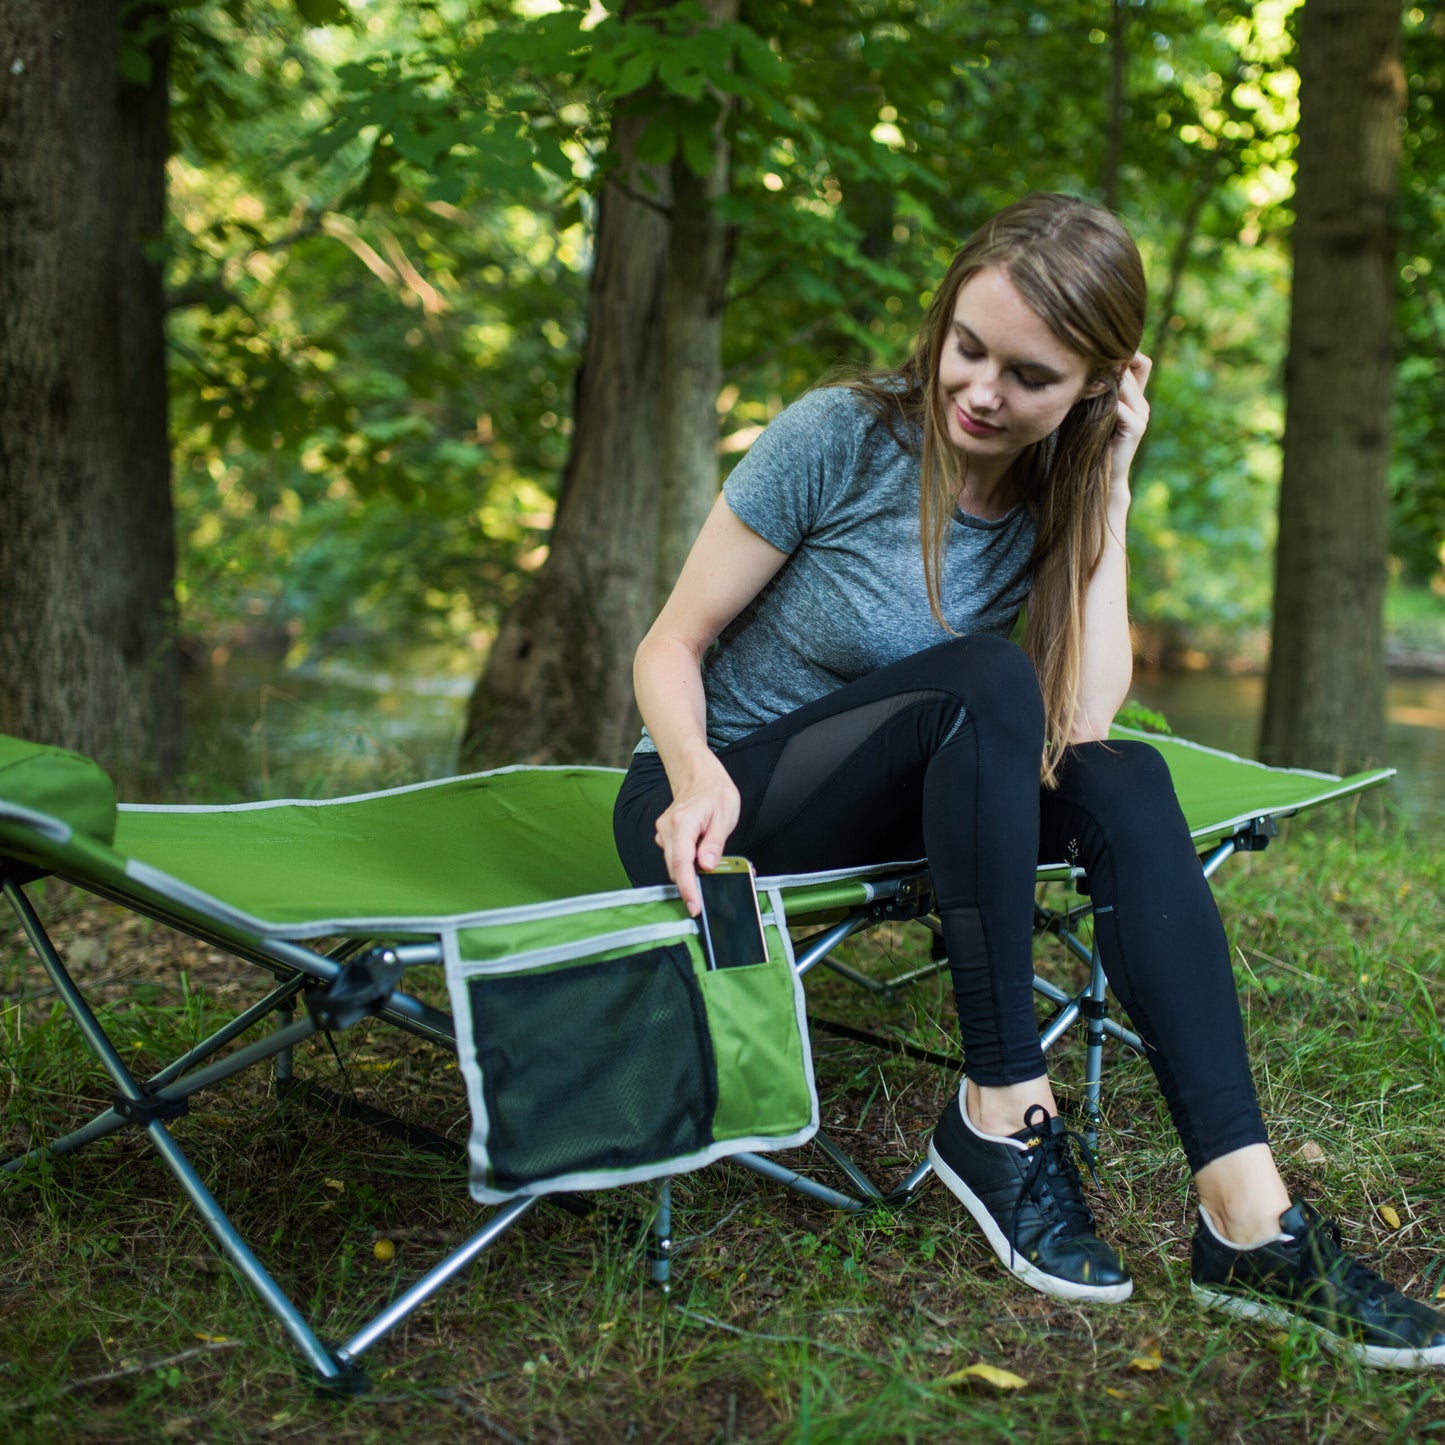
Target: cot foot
<point>349,1382</point>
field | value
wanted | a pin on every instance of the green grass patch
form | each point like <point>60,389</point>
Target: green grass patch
<point>787,1322</point>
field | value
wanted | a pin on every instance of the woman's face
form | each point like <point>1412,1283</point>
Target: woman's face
<point>1005,380</point>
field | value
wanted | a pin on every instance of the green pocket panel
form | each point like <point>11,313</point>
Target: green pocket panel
<point>763,1079</point>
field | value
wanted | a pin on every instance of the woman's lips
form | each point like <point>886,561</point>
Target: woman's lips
<point>973,427</point>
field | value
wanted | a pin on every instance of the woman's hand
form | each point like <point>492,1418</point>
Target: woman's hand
<point>1129,427</point>
<point>694,830</point>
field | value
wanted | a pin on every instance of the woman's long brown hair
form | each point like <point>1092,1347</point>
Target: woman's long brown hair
<point>1078,268</point>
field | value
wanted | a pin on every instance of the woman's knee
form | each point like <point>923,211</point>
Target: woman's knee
<point>1125,791</point>
<point>1117,773</point>
<point>993,679</point>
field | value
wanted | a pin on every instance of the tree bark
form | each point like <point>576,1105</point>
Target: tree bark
<point>1325,702</point>
<point>699,263</point>
<point>640,476</point>
<point>87,551</point>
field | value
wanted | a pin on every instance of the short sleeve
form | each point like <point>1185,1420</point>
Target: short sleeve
<point>780,488</point>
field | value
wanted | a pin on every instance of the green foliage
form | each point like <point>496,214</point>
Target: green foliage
<point>379,256</point>
<point>364,402</point>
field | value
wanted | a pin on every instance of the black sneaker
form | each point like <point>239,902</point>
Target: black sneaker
<point>1026,1194</point>
<point>1304,1274</point>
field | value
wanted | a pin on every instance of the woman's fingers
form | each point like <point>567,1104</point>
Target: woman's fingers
<point>692,834</point>
<point>1133,414</point>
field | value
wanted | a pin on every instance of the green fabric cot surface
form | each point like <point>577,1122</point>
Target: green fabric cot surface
<point>58,784</point>
<point>463,846</point>
<point>1219,791</point>
<point>466,845</point>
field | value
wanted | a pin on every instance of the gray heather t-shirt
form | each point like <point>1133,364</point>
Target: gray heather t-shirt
<point>828,484</point>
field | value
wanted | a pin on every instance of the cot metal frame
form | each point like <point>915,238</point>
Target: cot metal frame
<point>315,992</point>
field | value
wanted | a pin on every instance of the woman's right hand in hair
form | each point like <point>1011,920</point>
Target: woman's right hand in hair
<point>1130,424</point>
<point>728,566</point>
<point>694,830</point>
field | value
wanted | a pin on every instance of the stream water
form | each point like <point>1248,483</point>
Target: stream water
<point>354,722</point>
<point>1223,711</point>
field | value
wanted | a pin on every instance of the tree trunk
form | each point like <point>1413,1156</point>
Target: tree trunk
<point>699,262</point>
<point>87,550</point>
<point>1325,703</point>
<point>640,476</point>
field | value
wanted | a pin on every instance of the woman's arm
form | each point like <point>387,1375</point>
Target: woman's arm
<point>1107,661</point>
<point>728,566</point>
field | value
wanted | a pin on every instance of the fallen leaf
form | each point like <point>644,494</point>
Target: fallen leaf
<point>1146,1358</point>
<point>337,1185</point>
<point>1388,1214</point>
<point>988,1375</point>
<point>1114,1394</point>
<point>1310,1152</point>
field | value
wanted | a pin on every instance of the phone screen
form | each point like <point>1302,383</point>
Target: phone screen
<point>732,928</point>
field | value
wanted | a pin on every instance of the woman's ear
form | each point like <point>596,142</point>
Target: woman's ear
<point>1097,388</point>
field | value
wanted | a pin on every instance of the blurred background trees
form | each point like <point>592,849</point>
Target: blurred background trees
<point>87,552</point>
<point>387,231</point>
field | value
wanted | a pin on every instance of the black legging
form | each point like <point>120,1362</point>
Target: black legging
<point>938,756</point>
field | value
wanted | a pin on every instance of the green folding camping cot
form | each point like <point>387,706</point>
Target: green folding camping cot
<point>558,974</point>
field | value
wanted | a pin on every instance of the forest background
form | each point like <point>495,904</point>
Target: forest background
<point>333,325</point>
<point>379,262</point>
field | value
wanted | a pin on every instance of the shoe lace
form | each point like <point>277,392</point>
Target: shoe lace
<point>1053,1181</point>
<point>1323,1257</point>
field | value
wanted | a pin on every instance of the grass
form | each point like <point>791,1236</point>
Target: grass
<point>786,1323</point>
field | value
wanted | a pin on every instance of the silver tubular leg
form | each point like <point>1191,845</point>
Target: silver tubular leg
<point>1094,1007</point>
<point>902,1193</point>
<point>1062,1022</point>
<point>809,952</point>
<point>89,1026</point>
<point>759,1164</point>
<point>856,1177</point>
<point>1226,849</point>
<point>659,1249</point>
<point>111,1120</point>
<point>226,1235</point>
<point>239,1253</point>
<point>274,1002</point>
<point>857,976</point>
<point>434,1279</point>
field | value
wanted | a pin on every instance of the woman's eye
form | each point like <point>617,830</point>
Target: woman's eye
<point>1032,383</point>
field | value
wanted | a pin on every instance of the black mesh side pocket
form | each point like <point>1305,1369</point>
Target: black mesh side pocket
<point>598,1067</point>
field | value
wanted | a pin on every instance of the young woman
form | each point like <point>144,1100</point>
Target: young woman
<point>831,683</point>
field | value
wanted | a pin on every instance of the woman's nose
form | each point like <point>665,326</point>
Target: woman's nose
<point>982,391</point>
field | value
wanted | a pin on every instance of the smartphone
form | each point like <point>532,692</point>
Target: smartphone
<point>732,926</point>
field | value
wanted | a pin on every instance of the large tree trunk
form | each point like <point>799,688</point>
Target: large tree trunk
<point>1325,704</point>
<point>640,476</point>
<point>87,551</point>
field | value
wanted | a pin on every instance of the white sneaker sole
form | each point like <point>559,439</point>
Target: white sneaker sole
<point>1375,1357</point>
<point>1011,1259</point>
